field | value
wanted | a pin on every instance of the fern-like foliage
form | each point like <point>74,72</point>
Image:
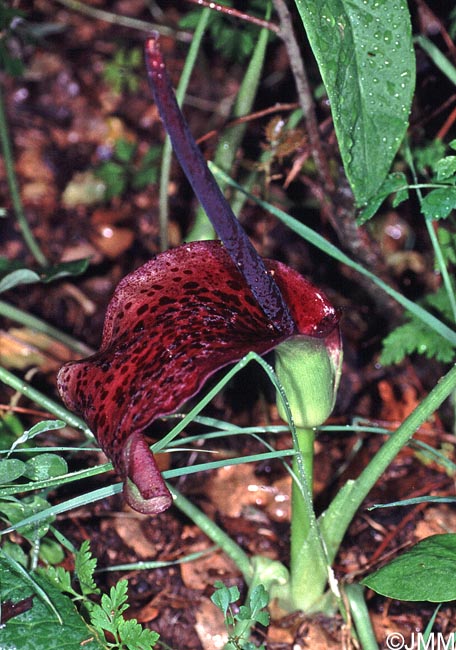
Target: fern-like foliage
<point>106,618</point>
<point>415,336</point>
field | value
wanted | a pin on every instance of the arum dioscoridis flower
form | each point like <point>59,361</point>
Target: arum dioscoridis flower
<point>179,318</point>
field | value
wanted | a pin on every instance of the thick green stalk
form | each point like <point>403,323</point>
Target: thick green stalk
<point>305,588</point>
<point>299,518</point>
<point>167,148</point>
<point>14,189</point>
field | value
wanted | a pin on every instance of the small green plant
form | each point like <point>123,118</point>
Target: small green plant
<point>438,172</point>
<point>121,73</point>
<point>124,171</point>
<point>235,42</point>
<point>239,620</point>
<point>106,618</point>
<point>9,62</point>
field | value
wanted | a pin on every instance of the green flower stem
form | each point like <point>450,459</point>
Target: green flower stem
<point>231,138</point>
<point>309,564</point>
<point>167,148</point>
<point>214,533</point>
<point>299,517</point>
<point>14,189</point>
<point>46,403</point>
<point>337,518</point>
<point>20,316</point>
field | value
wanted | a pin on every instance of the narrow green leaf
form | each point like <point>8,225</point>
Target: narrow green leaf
<point>65,269</point>
<point>438,58</point>
<point>39,427</point>
<point>423,573</point>
<point>365,54</point>
<point>15,278</point>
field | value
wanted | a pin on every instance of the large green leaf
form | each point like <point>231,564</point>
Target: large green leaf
<point>37,627</point>
<point>423,573</point>
<point>365,54</point>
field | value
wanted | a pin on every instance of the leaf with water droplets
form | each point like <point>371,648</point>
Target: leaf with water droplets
<point>365,54</point>
<point>438,204</point>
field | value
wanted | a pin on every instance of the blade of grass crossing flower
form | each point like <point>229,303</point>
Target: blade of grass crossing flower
<point>165,441</point>
<point>43,401</point>
<point>322,244</point>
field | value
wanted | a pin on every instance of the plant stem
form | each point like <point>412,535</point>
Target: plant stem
<point>231,233</point>
<point>360,615</point>
<point>304,93</point>
<point>335,521</point>
<point>20,316</point>
<point>235,13</point>
<point>214,533</point>
<point>167,148</point>
<point>232,136</point>
<point>299,518</point>
<point>14,189</point>
<point>305,589</point>
<point>447,280</point>
<point>45,402</point>
<point>124,21</point>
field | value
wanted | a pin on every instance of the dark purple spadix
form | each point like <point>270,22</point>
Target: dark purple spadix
<point>179,318</point>
<point>217,208</point>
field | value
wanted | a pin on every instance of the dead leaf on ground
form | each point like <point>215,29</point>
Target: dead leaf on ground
<point>247,490</point>
<point>210,626</point>
<point>208,569</point>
